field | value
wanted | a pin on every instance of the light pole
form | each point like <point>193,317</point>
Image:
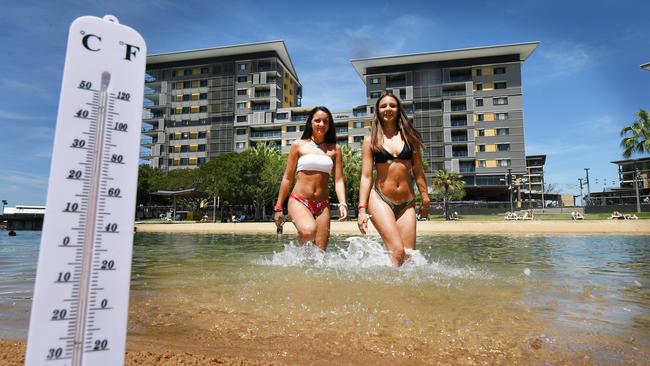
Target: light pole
<point>4,203</point>
<point>509,180</point>
<point>637,175</point>
<point>588,189</point>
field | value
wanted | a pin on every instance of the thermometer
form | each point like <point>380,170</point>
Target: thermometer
<point>81,295</point>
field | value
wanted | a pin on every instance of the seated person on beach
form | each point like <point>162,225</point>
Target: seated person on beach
<point>616,215</point>
<point>511,216</point>
<point>631,217</point>
<point>315,156</point>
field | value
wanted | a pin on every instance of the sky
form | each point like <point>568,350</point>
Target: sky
<point>580,86</point>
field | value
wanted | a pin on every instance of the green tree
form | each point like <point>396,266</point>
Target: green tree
<point>636,137</point>
<point>148,180</point>
<point>265,165</point>
<point>447,183</point>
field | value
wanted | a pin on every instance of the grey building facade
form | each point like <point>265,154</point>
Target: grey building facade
<point>194,99</point>
<point>466,103</point>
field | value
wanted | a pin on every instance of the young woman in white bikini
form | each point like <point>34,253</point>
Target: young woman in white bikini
<point>315,156</point>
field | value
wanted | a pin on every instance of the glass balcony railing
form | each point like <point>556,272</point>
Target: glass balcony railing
<point>341,130</point>
<point>456,108</point>
<point>460,123</point>
<point>450,93</point>
<point>467,169</point>
<point>459,154</point>
<point>459,138</point>
<point>456,78</point>
<point>299,118</point>
<point>262,94</point>
<point>266,134</point>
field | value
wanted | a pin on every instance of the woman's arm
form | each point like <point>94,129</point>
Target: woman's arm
<point>339,184</point>
<point>421,182</point>
<point>287,181</point>
<point>364,184</point>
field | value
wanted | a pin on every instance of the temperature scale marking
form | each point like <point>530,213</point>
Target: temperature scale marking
<point>80,304</point>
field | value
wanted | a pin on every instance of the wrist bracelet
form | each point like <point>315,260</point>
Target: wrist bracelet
<point>343,204</point>
<point>362,206</point>
<point>277,208</point>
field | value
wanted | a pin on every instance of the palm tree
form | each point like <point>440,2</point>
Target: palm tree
<point>639,140</point>
<point>447,182</point>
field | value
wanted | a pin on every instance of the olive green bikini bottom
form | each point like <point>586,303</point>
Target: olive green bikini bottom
<point>397,208</point>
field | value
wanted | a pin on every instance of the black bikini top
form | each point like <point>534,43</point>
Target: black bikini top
<point>383,156</point>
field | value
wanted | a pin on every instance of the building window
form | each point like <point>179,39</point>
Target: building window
<point>242,91</point>
<point>203,83</point>
<point>241,131</point>
<point>503,163</point>
<point>171,149</point>
<point>503,131</point>
<point>479,102</point>
<point>202,147</point>
<point>240,145</point>
<point>503,147</point>
<point>501,116</point>
<point>358,138</point>
<point>187,84</point>
<point>479,72</point>
<point>480,117</point>
<point>204,70</point>
<point>499,70</point>
<point>500,85</point>
<point>241,105</point>
<point>241,67</point>
<point>481,132</point>
<point>500,101</point>
<point>479,86</point>
<point>185,148</point>
<point>184,161</point>
<point>481,148</point>
<point>291,128</point>
<point>187,72</point>
<point>375,81</point>
<point>203,134</point>
<point>289,142</point>
<point>241,79</point>
<point>242,118</point>
<point>357,125</point>
<point>375,94</point>
<point>301,128</point>
<point>203,96</point>
<point>200,161</point>
<point>482,163</point>
<point>281,116</point>
<point>170,162</point>
<point>185,136</point>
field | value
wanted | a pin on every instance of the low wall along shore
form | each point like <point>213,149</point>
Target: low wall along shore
<point>617,227</point>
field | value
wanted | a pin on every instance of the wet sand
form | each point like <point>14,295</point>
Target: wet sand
<point>637,227</point>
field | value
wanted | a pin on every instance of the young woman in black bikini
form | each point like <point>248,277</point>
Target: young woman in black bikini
<point>395,149</point>
<point>314,157</point>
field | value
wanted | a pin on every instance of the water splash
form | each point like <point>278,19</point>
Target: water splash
<point>368,258</point>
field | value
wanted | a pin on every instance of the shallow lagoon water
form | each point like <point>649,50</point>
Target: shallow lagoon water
<point>460,299</point>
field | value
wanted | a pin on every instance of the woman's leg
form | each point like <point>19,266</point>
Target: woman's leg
<point>323,229</point>
<point>383,220</point>
<point>303,220</point>
<point>407,223</point>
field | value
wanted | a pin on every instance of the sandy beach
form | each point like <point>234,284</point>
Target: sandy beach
<point>600,227</point>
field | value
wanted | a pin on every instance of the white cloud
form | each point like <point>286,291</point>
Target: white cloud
<point>23,179</point>
<point>562,59</point>
<point>27,89</point>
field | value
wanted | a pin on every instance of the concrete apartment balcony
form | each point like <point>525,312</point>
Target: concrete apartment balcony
<point>151,132</point>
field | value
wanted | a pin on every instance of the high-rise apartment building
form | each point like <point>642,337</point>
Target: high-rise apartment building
<point>466,103</point>
<point>194,99</point>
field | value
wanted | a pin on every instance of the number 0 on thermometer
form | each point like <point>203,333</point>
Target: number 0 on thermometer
<point>80,305</point>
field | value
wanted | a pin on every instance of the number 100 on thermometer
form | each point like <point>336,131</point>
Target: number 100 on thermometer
<point>80,305</point>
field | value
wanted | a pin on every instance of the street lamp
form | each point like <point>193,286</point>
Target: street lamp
<point>582,200</point>
<point>4,203</point>
<point>509,181</point>
<point>588,189</point>
<point>637,175</point>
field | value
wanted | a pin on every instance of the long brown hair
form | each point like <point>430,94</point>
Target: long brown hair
<point>410,135</point>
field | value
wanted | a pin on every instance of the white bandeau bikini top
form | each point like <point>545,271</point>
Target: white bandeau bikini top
<point>315,162</point>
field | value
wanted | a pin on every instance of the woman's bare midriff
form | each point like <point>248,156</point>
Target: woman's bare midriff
<point>312,185</point>
<point>395,180</point>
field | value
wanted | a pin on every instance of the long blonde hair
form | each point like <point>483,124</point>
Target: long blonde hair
<point>410,135</point>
